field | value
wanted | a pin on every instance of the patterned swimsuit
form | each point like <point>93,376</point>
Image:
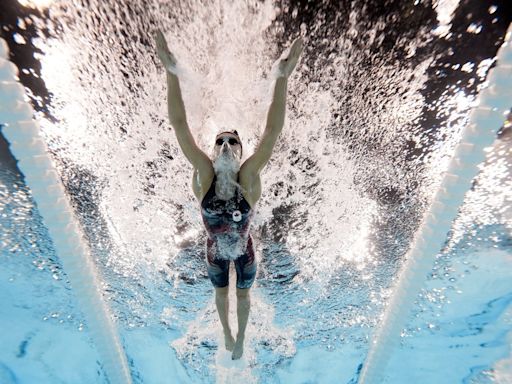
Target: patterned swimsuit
<point>227,224</point>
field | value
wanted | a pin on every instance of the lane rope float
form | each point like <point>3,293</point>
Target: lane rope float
<point>485,120</point>
<point>41,176</point>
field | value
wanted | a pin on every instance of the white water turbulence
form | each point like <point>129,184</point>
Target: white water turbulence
<point>342,194</point>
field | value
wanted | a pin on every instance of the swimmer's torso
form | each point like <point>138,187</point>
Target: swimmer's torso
<point>227,222</point>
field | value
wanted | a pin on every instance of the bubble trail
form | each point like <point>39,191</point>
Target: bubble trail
<point>485,120</point>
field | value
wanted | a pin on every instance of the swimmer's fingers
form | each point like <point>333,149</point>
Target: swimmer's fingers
<point>162,48</point>
<point>296,49</point>
<point>290,57</point>
<point>165,55</point>
<point>161,43</point>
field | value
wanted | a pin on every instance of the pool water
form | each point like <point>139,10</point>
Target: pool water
<point>375,109</point>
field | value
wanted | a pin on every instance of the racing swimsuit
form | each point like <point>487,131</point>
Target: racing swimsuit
<point>227,223</point>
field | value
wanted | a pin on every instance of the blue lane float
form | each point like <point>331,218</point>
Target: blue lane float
<point>26,145</point>
<point>485,120</point>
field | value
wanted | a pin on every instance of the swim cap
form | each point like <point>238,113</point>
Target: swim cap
<point>234,132</point>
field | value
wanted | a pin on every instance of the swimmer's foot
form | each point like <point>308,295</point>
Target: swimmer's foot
<point>238,350</point>
<point>229,341</point>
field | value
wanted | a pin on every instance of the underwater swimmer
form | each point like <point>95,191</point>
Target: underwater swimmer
<point>228,190</point>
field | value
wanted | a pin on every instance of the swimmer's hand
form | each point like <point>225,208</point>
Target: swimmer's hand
<point>288,60</point>
<point>166,56</point>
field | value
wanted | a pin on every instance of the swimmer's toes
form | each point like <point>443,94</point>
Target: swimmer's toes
<point>229,341</point>
<point>238,351</point>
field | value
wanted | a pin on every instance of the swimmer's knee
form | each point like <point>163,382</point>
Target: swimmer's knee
<point>221,292</point>
<point>242,293</point>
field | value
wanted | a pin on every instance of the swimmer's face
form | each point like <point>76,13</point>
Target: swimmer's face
<point>227,143</point>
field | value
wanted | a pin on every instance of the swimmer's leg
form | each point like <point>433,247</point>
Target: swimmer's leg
<point>218,272</point>
<point>245,267</point>
<point>222,303</point>
<point>243,306</point>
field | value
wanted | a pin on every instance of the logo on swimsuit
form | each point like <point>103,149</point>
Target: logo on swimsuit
<point>237,216</point>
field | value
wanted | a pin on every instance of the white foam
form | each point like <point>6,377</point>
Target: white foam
<point>430,238</point>
<point>66,234</point>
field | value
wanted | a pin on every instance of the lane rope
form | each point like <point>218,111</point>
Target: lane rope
<point>41,176</point>
<point>485,120</point>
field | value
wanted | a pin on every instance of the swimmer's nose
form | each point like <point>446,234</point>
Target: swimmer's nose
<point>225,147</point>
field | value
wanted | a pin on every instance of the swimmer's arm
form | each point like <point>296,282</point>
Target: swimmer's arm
<point>273,128</point>
<point>277,110</point>
<point>178,119</point>
<point>176,109</point>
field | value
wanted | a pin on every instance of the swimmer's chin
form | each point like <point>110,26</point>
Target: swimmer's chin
<point>226,162</point>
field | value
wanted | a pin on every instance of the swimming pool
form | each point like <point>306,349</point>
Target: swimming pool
<point>345,191</point>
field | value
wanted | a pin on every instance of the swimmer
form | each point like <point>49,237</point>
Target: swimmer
<point>227,190</point>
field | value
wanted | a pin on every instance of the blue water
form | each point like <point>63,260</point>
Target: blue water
<point>375,110</point>
<point>458,331</point>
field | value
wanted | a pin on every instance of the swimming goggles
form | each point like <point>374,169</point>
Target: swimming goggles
<point>231,140</point>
